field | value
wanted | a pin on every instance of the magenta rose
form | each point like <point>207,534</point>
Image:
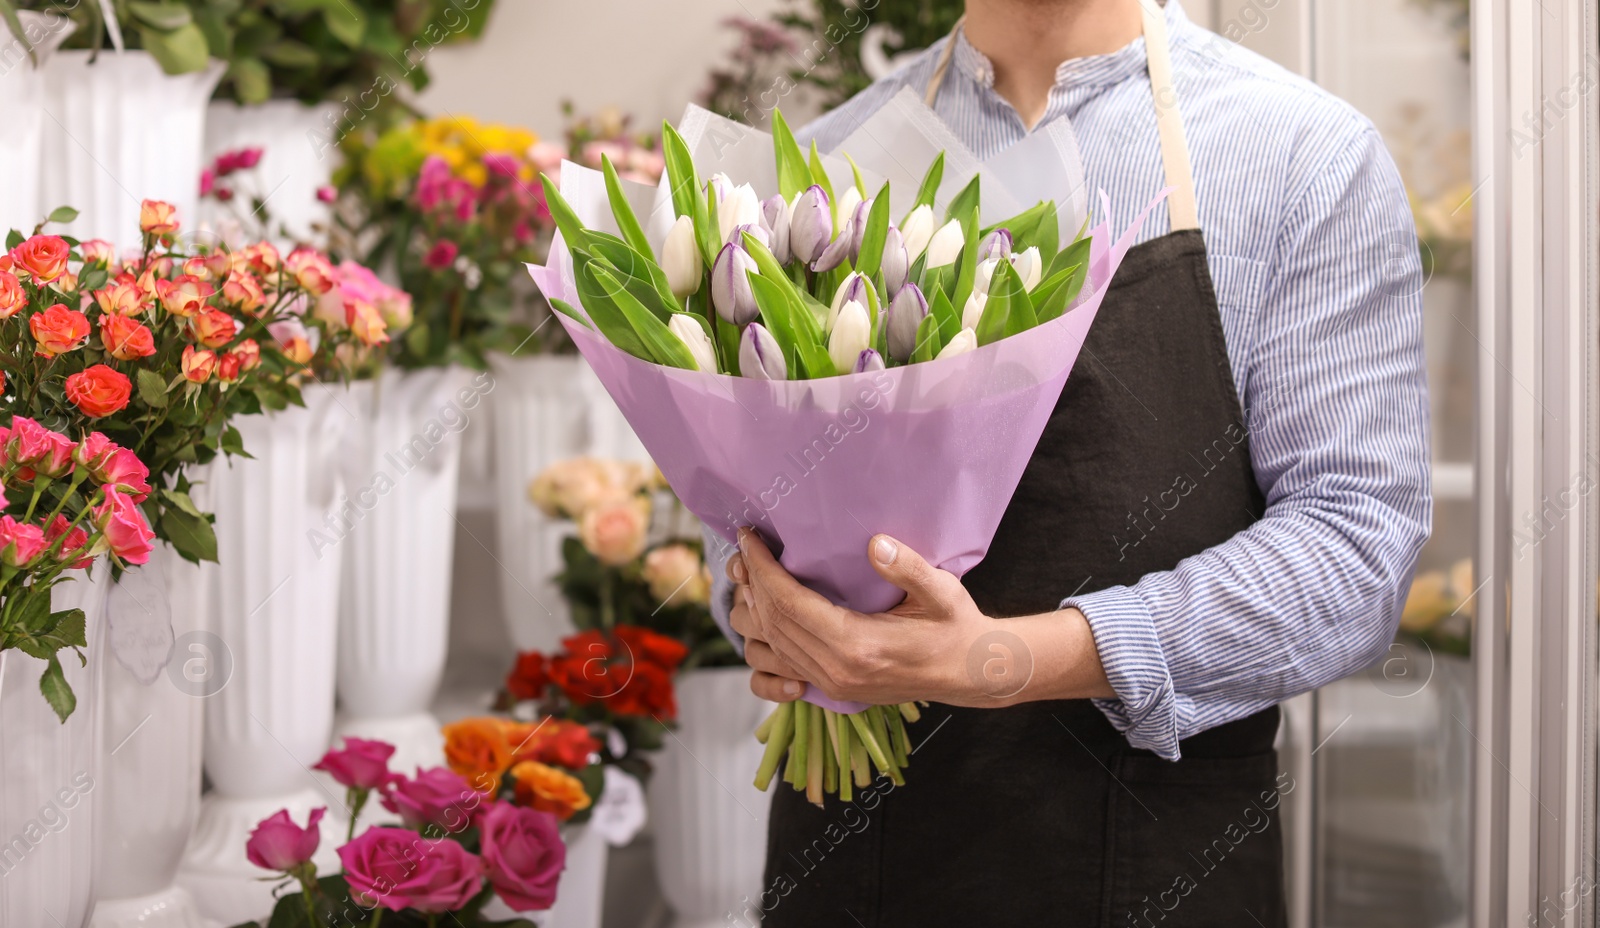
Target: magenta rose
<point>20,542</point>
<point>279,844</point>
<point>438,796</point>
<point>126,532</point>
<point>400,869</point>
<point>524,854</point>
<point>361,764</point>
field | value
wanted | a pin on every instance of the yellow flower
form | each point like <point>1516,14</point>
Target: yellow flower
<point>1427,603</point>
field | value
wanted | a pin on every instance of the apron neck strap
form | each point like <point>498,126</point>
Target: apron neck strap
<point>1181,206</point>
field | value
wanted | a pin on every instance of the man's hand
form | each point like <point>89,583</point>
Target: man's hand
<point>936,645</point>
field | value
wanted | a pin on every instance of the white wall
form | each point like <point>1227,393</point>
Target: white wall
<point>650,57</point>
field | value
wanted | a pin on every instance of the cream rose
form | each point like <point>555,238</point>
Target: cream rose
<point>676,576</point>
<point>615,531</point>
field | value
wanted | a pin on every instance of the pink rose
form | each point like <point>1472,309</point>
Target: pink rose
<point>57,461</point>
<point>524,854</point>
<point>400,869</point>
<point>279,844</point>
<point>121,468</point>
<point>30,442</point>
<point>126,532</point>
<point>72,547</point>
<point>438,796</point>
<point>93,451</point>
<point>20,542</point>
<point>441,255</point>
<point>360,764</point>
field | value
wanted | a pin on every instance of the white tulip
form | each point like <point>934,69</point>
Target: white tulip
<point>1030,267</point>
<point>739,208</point>
<point>680,259</point>
<point>852,333</point>
<point>973,311</point>
<point>854,287</point>
<point>984,276</point>
<point>965,341</point>
<point>918,229</point>
<point>694,338</point>
<point>945,246</point>
<point>846,207</point>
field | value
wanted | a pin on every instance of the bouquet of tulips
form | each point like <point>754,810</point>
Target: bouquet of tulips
<point>821,358</point>
<point>455,849</point>
<point>158,349</point>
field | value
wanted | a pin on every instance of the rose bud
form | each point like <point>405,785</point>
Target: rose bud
<point>12,296</point>
<point>896,267</point>
<point>965,341</point>
<point>198,365</point>
<point>277,843</point>
<point>775,217</point>
<point>73,541</point>
<point>57,459</point>
<point>945,246</point>
<point>93,450</point>
<point>360,764</point>
<point>810,225</point>
<point>58,330</point>
<point>261,258</point>
<point>1029,266</point>
<point>852,333</point>
<point>99,391</point>
<point>869,361</point>
<point>311,270</point>
<point>124,530</point>
<point>694,338</point>
<point>906,311</point>
<point>730,288</point>
<point>42,257</point>
<point>916,231</point>
<point>98,251</point>
<point>837,250</point>
<point>739,208</point>
<point>20,542</point>
<point>214,328</point>
<point>680,259</point>
<point>157,217</point>
<point>242,290</point>
<point>184,297</point>
<point>996,245</point>
<point>228,368</point>
<point>126,339</point>
<point>973,310</point>
<point>249,354</point>
<point>759,356</point>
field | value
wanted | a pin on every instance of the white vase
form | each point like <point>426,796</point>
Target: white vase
<point>580,896</point>
<point>710,821</point>
<point>121,131</point>
<point>151,712</point>
<point>547,408</point>
<point>276,609</point>
<point>298,157</point>
<point>394,617</point>
<point>22,129</point>
<point>48,783</point>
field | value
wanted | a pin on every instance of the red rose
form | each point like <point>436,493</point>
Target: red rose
<point>59,330</point>
<point>43,257</point>
<point>646,645</point>
<point>647,692</point>
<point>125,338</point>
<point>99,391</point>
<point>566,744</point>
<point>528,678</point>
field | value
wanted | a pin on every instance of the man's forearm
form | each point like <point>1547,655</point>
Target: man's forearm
<point>1048,656</point>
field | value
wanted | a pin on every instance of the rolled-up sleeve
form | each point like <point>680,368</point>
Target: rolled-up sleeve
<point>1334,382</point>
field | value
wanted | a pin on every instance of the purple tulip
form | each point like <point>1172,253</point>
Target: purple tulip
<point>855,287</point>
<point>811,225</point>
<point>775,219</point>
<point>996,245</point>
<point>869,361</point>
<point>837,250</point>
<point>858,229</point>
<point>906,312</point>
<point>759,356</point>
<point>730,287</point>
<point>896,265</point>
<point>755,229</point>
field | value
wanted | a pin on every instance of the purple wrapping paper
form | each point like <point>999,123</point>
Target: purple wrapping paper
<point>929,453</point>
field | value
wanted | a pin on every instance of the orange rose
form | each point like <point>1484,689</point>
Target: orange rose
<point>98,251</point>
<point>157,217</point>
<point>311,270</point>
<point>125,338</point>
<point>43,257</point>
<point>12,296</point>
<point>366,324</point>
<point>243,291</point>
<point>249,354</point>
<point>185,296</point>
<point>615,532</point>
<point>59,330</point>
<point>478,750</point>
<point>542,787</point>
<point>213,328</point>
<point>198,365</point>
<point>98,391</point>
<point>262,258</point>
<point>297,350</point>
<point>121,297</point>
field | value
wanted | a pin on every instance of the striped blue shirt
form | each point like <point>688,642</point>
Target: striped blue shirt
<point>1313,253</point>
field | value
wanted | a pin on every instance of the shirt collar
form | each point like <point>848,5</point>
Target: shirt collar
<point>1109,68</point>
